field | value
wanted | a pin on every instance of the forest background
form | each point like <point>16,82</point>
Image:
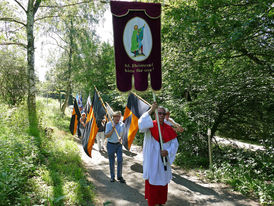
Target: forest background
<point>217,69</point>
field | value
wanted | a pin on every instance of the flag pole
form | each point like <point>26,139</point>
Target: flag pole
<point>159,129</point>
<point>141,98</point>
<point>106,111</point>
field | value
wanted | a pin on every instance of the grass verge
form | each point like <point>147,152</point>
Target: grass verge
<point>45,170</point>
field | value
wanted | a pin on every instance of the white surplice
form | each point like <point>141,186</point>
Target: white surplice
<point>153,167</point>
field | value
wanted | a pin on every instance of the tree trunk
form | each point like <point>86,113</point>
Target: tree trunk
<point>33,121</point>
<point>66,99</point>
<point>68,92</point>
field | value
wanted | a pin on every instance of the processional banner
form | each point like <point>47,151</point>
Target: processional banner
<point>137,44</point>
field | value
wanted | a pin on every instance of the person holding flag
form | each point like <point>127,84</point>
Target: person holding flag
<point>156,175</point>
<point>100,137</point>
<point>114,145</point>
<point>82,124</point>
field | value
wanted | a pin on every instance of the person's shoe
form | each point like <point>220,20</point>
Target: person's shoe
<point>121,179</point>
<point>112,180</point>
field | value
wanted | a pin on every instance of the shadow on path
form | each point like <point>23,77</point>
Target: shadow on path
<point>193,186</point>
<point>184,189</point>
<point>128,153</point>
<point>115,193</point>
<point>208,196</point>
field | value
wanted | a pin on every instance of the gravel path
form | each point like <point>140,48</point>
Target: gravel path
<point>184,189</point>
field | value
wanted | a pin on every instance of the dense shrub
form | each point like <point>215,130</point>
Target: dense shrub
<point>249,172</point>
<point>13,78</point>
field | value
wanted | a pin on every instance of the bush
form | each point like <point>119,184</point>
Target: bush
<point>249,172</point>
<point>13,79</point>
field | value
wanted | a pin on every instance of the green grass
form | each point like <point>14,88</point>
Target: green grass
<point>45,170</point>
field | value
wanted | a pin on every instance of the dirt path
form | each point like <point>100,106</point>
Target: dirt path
<point>239,144</point>
<point>184,189</point>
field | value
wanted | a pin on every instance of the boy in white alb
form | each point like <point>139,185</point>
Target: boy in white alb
<point>156,177</point>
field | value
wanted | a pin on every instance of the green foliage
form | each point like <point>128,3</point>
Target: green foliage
<point>19,155</point>
<point>13,78</point>
<point>217,74</point>
<point>95,68</point>
<point>216,60</point>
<point>44,170</point>
<point>249,172</point>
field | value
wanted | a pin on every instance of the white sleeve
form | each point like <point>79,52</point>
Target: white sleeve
<point>145,122</point>
<point>171,147</point>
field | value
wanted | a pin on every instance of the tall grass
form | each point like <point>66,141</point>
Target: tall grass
<point>44,170</point>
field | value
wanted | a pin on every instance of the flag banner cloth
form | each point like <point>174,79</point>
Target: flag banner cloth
<point>97,113</point>
<point>87,106</point>
<point>133,111</point>
<point>79,101</point>
<point>137,44</point>
<point>110,111</point>
<point>74,118</point>
<point>86,109</point>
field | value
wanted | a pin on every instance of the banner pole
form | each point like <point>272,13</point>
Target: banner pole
<point>106,111</point>
<point>141,98</point>
<point>159,129</point>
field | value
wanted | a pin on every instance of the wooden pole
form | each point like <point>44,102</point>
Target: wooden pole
<point>141,98</point>
<point>209,147</point>
<point>106,111</point>
<point>160,134</point>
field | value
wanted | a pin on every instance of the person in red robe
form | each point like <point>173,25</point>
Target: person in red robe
<point>155,174</point>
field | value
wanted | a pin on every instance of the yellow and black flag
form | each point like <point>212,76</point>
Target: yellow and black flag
<point>87,106</point>
<point>109,111</point>
<point>134,110</point>
<point>94,118</point>
<point>74,118</point>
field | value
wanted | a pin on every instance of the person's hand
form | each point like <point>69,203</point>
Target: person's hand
<point>154,106</point>
<point>120,140</point>
<point>180,129</point>
<point>164,153</point>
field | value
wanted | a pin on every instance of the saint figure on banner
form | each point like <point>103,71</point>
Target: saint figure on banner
<point>137,39</point>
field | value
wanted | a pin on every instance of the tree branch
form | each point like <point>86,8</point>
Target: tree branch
<point>67,5</point>
<point>58,43</point>
<point>45,17</point>
<point>59,37</point>
<point>13,43</point>
<point>36,6</point>
<point>8,19</point>
<point>235,56</point>
<point>251,56</point>
<point>21,6</point>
